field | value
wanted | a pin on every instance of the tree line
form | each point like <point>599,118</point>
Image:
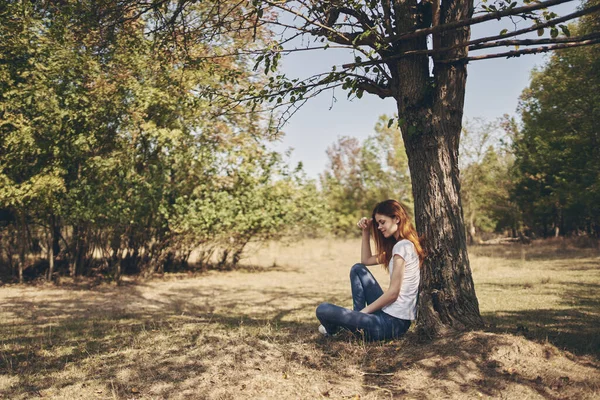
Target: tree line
<point>114,160</point>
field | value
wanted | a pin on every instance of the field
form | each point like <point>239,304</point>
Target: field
<point>252,333</point>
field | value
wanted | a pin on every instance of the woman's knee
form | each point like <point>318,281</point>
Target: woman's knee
<point>357,268</point>
<point>323,310</point>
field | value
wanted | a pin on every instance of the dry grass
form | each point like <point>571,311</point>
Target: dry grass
<point>549,290</point>
<point>251,333</point>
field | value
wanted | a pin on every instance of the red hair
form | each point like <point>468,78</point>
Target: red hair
<point>383,245</point>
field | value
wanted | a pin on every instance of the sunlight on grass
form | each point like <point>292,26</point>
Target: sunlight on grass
<point>246,334</point>
<point>543,291</point>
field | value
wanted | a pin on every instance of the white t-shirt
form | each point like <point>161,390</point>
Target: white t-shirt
<point>405,306</point>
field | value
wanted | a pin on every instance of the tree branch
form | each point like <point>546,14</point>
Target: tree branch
<point>373,87</point>
<point>517,53</point>
<point>475,20</point>
<point>387,16</point>
<point>530,42</point>
<point>435,22</point>
<point>343,39</point>
<point>474,42</point>
<point>364,19</point>
<point>535,27</point>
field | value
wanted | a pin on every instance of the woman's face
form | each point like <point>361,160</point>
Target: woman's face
<point>386,225</point>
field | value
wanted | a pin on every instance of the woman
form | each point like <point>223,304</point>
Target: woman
<point>377,314</point>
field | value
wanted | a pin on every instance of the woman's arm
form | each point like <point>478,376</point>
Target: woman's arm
<point>393,291</point>
<point>366,257</point>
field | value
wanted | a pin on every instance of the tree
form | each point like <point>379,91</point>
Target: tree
<point>556,150</point>
<point>385,164</point>
<point>486,162</point>
<point>342,184</point>
<point>361,174</point>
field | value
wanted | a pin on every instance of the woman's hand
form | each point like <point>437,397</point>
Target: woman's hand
<point>364,223</point>
<point>366,257</point>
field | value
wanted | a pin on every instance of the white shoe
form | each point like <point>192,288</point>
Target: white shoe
<point>323,331</point>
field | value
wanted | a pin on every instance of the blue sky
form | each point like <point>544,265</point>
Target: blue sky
<point>493,89</point>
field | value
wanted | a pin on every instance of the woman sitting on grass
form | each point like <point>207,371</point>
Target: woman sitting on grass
<point>379,315</point>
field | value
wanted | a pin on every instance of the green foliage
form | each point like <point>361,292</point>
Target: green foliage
<point>111,140</point>
<point>486,180</point>
<point>360,175</point>
<point>558,182</point>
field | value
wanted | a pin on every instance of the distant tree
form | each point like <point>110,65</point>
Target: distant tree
<point>385,164</point>
<point>360,175</point>
<point>486,163</point>
<point>342,184</point>
<point>558,182</point>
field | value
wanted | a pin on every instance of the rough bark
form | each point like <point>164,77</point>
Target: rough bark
<point>430,109</point>
<point>447,297</point>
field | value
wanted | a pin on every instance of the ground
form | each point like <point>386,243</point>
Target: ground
<point>252,333</point>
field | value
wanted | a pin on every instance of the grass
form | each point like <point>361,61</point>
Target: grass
<point>251,333</point>
<point>546,291</point>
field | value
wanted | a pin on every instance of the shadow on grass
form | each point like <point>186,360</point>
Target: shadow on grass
<point>127,340</point>
<point>119,335</point>
<point>575,328</point>
<point>463,366</point>
<point>535,251</point>
<point>241,267</point>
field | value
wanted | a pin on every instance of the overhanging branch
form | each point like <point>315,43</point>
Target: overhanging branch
<point>517,53</point>
<point>472,44</point>
<point>532,42</point>
<point>323,29</point>
<point>475,20</point>
<point>535,27</point>
<point>372,87</point>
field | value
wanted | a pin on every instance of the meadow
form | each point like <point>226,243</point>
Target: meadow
<point>251,332</point>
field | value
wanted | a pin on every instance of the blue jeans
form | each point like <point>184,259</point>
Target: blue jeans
<point>375,326</point>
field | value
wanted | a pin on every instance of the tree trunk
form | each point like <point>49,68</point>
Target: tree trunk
<point>73,252</point>
<point>471,230</point>
<point>50,257</point>
<point>79,250</point>
<point>447,297</point>
<point>52,241</point>
<point>22,232</point>
<point>430,109</point>
<point>56,235</point>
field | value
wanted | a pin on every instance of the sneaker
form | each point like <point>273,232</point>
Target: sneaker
<point>323,331</point>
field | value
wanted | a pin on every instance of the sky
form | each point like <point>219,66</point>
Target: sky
<point>493,89</point>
